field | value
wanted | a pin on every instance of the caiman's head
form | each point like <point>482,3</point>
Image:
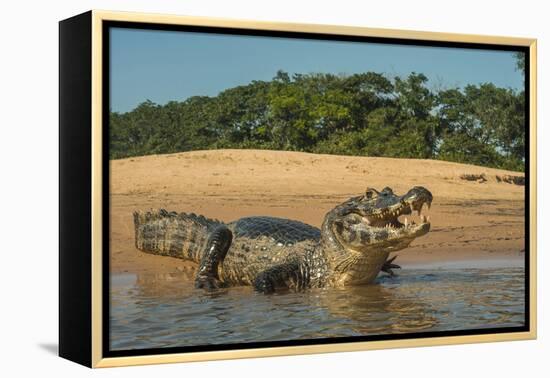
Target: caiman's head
<point>370,226</point>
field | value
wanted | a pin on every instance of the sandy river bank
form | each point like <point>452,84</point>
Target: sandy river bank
<point>471,220</point>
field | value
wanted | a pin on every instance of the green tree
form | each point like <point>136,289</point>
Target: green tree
<point>361,114</point>
<point>520,61</point>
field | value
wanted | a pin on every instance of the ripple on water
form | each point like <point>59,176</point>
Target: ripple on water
<point>153,311</point>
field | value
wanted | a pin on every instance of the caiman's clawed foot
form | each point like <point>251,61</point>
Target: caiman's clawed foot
<point>208,283</point>
<point>264,285</point>
<point>388,266</point>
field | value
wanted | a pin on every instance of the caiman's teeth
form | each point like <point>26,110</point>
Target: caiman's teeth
<point>406,221</point>
<point>420,208</point>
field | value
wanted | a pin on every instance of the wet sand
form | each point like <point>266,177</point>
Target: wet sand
<point>471,221</point>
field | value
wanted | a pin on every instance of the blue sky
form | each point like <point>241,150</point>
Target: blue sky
<point>163,66</point>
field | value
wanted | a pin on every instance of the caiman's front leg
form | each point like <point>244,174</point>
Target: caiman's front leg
<point>388,266</point>
<point>216,249</point>
<point>288,275</point>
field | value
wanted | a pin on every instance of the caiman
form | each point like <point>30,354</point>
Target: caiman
<point>351,248</point>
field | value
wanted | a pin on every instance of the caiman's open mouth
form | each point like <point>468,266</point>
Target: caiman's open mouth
<point>385,210</point>
<point>390,217</point>
<point>383,220</point>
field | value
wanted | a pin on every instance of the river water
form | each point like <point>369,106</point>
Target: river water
<point>154,311</point>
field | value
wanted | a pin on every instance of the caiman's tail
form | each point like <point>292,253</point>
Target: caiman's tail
<point>167,233</point>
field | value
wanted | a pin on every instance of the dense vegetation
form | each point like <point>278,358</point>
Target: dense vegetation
<point>362,114</point>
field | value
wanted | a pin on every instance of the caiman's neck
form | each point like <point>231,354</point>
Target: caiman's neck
<point>332,251</point>
<point>329,241</point>
<point>343,266</point>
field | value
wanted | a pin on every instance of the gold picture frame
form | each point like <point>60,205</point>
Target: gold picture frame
<point>83,276</point>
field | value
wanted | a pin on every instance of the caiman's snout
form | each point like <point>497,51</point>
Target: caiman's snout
<point>416,198</point>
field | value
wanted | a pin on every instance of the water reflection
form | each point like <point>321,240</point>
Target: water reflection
<point>151,311</point>
<point>379,309</point>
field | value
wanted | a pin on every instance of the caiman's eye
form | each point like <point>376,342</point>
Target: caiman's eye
<point>371,193</point>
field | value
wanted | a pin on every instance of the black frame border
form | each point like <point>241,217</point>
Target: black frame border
<point>75,181</point>
<point>107,25</point>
